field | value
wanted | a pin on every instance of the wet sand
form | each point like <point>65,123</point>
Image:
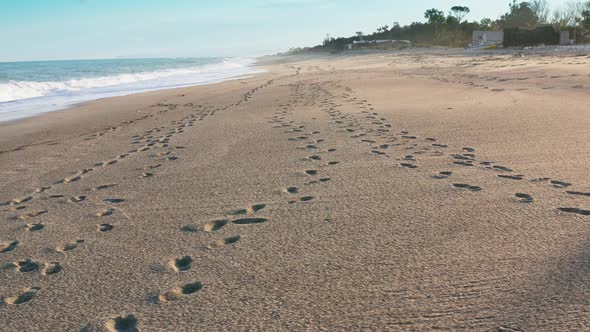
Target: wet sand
<point>401,192</point>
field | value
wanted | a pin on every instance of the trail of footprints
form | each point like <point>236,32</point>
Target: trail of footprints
<point>371,129</point>
<point>158,140</point>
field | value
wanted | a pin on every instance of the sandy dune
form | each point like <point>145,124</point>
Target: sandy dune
<point>401,192</point>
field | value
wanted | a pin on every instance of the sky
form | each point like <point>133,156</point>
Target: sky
<point>99,29</point>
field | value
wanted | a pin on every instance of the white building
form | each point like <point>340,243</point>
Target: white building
<point>483,38</point>
<point>564,38</point>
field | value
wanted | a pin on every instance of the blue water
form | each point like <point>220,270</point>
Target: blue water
<point>30,88</point>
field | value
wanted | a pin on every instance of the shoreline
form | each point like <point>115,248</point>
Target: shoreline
<point>22,108</point>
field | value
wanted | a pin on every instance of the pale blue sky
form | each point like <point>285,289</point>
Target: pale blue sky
<point>82,29</point>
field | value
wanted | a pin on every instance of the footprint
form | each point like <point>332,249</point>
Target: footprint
<point>113,200</point>
<point>146,175</point>
<point>559,184</point>
<point>23,266</point>
<point>31,215</point>
<point>42,189</point>
<point>76,199</point>
<point>524,198</point>
<point>189,229</point>
<point>126,323</point>
<point>468,149</point>
<point>466,186</point>
<point>214,225</point>
<point>407,165</point>
<point>306,198</point>
<point>315,158</point>
<point>249,221</point>
<point>443,175</point>
<point>378,152</point>
<point>311,172</point>
<point>575,210</point>
<point>8,246</point>
<point>52,268</point>
<point>325,179</point>
<point>16,207</point>
<point>104,186</point>
<point>467,163</point>
<point>104,213</point>
<point>105,227</point>
<point>178,292</point>
<point>578,193</point>
<point>257,207</point>
<point>182,263</point>
<point>462,156</point>
<point>72,179</point>
<point>511,177</point>
<point>226,241</point>
<point>331,163</point>
<point>35,227</point>
<point>69,246</point>
<point>501,168</point>
<point>538,180</point>
<point>292,190</point>
<point>25,296</point>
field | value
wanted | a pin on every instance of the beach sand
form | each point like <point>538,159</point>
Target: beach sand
<point>401,192</point>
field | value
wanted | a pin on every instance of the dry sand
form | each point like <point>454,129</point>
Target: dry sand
<point>401,192</point>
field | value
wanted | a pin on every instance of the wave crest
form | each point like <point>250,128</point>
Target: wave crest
<point>20,90</point>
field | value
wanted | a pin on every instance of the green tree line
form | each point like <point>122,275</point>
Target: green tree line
<point>453,30</point>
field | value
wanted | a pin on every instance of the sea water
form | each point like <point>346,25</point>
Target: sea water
<point>34,87</point>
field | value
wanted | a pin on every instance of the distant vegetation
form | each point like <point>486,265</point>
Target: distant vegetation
<point>452,30</point>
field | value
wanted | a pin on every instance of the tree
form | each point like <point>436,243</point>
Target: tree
<point>520,15</point>
<point>586,14</point>
<point>486,23</point>
<point>383,29</point>
<point>434,16</point>
<point>542,10</point>
<point>359,35</point>
<point>570,14</point>
<point>459,12</point>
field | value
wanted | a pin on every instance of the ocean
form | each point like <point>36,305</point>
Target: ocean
<point>35,87</point>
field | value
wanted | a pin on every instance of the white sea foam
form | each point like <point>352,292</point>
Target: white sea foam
<point>18,90</point>
<point>21,99</point>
